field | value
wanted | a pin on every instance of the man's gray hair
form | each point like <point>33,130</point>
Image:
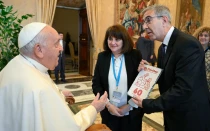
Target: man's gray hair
<point>160,10</point>
<point>41,39</point>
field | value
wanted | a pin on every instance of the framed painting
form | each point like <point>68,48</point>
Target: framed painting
<point>129,14</point>
<point>189,15</point>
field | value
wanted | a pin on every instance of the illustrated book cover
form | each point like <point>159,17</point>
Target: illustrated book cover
<point>145,81</point>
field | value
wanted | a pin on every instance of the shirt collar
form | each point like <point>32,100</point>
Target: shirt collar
<point>36,64</point>
<point>120,57</point>
<point>168,36</point>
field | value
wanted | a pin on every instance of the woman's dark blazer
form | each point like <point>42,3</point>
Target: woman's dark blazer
<point>100,78</point>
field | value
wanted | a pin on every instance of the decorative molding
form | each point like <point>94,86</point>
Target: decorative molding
<point>117,12</point>
<point>72,8</point>
<point>72,3</point>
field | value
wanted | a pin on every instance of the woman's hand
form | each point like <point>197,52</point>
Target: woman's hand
<point>113,110</point>
<point>124,109</point>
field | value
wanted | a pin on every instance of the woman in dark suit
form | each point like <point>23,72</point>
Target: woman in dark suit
<point>115,71</point>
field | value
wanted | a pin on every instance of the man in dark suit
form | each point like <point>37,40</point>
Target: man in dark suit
<point>184,99</point>
<point>61,63</point>
<point>146,47</point>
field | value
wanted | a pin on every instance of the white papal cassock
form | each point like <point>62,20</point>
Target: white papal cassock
<point>30,101</point>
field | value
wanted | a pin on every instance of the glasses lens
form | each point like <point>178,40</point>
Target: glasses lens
<point>148,19</point>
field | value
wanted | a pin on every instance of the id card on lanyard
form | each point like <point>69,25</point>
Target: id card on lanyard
<point>116,94</point>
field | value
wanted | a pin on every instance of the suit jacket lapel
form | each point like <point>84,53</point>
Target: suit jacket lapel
<point>107,60</point>
<point>129,66</point>
<point>126,67</point>
<point>170,45</point>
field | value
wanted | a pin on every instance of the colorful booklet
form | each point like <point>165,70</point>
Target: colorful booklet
<point>145,82</point>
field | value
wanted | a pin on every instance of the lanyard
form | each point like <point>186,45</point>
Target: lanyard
<point>117,78</point>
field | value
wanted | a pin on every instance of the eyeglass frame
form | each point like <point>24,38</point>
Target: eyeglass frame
<point>148,19</point>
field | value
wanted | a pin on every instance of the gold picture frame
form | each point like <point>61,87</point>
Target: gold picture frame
<point>189,15</point>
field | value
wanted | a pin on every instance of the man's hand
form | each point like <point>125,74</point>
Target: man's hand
<point>137,101</point>
<point>99,104</point>
<point>141,64</point>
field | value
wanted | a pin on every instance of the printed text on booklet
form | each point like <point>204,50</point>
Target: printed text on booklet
<point>144,82</point>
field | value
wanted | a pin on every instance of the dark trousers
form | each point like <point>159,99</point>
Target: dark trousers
<point>131,122</point>
<point>60,68</point>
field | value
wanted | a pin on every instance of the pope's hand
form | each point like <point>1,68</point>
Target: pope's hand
<point>137,101</point>
<point>67,93</point>
<point>99,104</point>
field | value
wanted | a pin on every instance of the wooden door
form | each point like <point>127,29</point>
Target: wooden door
<point>84,44</point>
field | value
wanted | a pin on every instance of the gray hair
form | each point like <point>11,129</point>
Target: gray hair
<point>39,39</point>
<point>160,10</point>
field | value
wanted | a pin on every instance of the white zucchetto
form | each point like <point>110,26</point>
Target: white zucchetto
<point>29,32</point>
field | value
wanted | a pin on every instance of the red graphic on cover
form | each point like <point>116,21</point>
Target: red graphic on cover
<point>143,82</point>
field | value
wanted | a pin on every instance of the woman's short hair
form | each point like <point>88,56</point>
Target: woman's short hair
<point>201,30</point>
<point>118,32</point>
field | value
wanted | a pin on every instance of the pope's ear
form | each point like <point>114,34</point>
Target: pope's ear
<point>38,51</point>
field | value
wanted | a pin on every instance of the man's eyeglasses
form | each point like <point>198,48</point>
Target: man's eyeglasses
<point>148,19</point>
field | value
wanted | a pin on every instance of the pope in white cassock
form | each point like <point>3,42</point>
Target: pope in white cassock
<point>29,100</point>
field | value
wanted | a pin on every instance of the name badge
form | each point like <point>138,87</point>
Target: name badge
<point>116,96</point>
